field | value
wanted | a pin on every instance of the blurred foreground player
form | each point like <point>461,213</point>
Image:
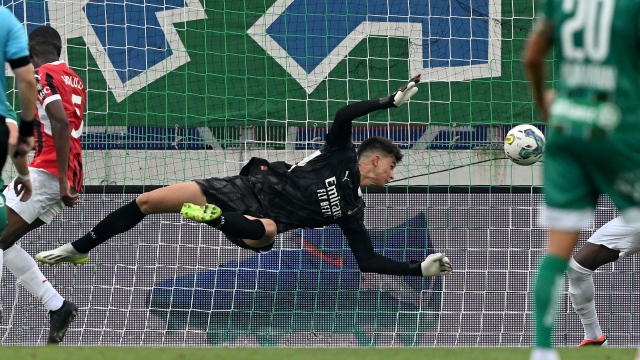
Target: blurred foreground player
<point>592,137</point>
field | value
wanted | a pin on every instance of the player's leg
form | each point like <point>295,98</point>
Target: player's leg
<point>270,232</point>
<point>603,247</point>
<point>22,265</point>
<point>243,230</point>
<point>61,312</point>
<point>24,217</point>
<point>547,288</point>
<point>161,201</point>
<point>582,293</point>
<point>233,197</point>
<point>613,241</point>
<point>552,267</point>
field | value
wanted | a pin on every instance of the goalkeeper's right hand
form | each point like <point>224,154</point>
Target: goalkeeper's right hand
<point>406,92</point>
<point>435,265</point>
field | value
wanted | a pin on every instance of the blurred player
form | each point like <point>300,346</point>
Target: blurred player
<point>613,241</point>
<point>15,51</point>
<point>594,125</point>
<point>271,198</point>
<point>55,171</point>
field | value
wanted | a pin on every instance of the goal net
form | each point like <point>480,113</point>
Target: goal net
<point>181,90</point>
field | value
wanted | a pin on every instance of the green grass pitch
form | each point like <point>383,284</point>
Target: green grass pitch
<point>130,353</point>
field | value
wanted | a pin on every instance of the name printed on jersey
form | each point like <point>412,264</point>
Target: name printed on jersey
<point>72,81</point>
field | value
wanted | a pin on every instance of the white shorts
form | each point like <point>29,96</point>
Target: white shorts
<point>45,201</point>
<point>618,236</point>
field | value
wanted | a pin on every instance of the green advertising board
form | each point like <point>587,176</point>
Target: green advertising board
<point>217,63</point>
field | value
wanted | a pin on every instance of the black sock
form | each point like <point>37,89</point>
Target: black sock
<point>115,223</point>
<point>236,224</point>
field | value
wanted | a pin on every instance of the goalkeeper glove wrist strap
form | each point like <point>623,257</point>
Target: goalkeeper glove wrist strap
<point>415,267</point>
<point>388,101</point>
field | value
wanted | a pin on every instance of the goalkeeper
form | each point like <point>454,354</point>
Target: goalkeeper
<point>271,198</point>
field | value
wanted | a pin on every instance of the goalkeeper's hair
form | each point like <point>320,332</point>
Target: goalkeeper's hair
<point>45,40</point>
<point>377,145</point>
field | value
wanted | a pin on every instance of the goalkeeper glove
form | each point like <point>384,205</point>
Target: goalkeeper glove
<point>406,92</point>
<point>435,265</point>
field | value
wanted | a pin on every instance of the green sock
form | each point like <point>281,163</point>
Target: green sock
<point>3,213</point>
<point>546,297</point>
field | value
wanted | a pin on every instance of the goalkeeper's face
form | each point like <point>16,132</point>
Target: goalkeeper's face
<point>377,170</point>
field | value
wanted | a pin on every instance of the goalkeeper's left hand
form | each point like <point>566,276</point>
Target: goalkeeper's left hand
<point>406,92</point>
<point>435,265</point>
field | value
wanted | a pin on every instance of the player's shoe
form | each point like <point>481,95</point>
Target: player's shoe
<point>201,214</point>
<point>60,321</point>
<point>601,341</point>
<point>65,253</point>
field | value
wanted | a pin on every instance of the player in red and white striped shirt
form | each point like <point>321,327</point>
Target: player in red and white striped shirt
<point>61,92</point>
<point>55,172</point>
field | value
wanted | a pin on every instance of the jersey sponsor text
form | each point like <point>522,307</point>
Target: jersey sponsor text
<point>329,199</point>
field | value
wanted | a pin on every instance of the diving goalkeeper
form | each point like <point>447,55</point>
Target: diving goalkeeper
<point>266,198</point>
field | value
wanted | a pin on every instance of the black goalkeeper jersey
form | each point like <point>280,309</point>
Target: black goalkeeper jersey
<point>320,190</point>
<point>324,189</point>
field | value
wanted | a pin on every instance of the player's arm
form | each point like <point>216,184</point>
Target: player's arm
<point>535,53</point>
<point>61,133</point>
<point>340,133</point>
<point>16,51</point>
<point>20,163</point>
<point>27,94</point>
<point>22,184</point>
<point>369,261</point>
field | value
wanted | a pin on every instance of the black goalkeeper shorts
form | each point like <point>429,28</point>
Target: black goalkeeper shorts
<point>233,194</point>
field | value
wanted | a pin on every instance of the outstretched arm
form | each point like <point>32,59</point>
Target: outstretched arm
<point>370,261</point>
<point>340,133</point>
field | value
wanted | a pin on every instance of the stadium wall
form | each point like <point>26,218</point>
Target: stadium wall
<point>170,282</point>
<point>423,167</point>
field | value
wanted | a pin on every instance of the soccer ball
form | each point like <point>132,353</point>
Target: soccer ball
<point>524,144</point>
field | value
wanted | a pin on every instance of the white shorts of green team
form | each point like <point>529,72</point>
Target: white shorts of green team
<point>618,236</point>
<point>45,202</point>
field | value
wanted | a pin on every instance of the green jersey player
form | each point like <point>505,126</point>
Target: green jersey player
<point>594,125</point>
